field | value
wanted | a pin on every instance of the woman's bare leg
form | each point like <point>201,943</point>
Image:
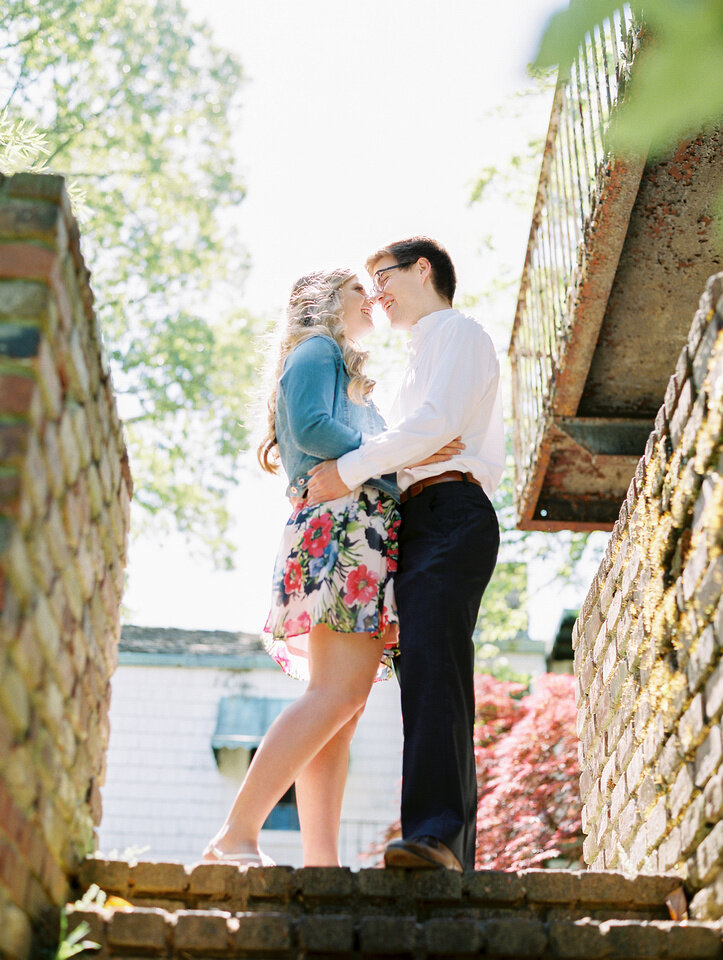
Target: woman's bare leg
<point>342,671</point>
<point>319,794</point>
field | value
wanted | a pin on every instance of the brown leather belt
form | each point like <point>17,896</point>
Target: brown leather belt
<point>439,478</point>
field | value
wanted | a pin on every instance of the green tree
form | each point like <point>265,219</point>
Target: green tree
<point>677,86</point>
<point>135,105</point>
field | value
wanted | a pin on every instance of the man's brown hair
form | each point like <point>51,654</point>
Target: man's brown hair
<point>444,278</point>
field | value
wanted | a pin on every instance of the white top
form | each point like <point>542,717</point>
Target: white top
<point>451,388</point>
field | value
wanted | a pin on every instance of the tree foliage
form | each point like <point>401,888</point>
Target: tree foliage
<point>529,806</point>
<point>677,85</point>
<point>135,105</point>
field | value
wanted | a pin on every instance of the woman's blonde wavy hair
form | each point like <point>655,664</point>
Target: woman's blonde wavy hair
<point>315,308</point>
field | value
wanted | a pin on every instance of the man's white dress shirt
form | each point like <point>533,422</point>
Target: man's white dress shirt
<point>451,388</point>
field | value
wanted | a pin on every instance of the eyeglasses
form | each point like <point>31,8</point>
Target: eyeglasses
<point>379,282</point>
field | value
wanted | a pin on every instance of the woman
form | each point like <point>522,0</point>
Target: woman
<point>333,617</point>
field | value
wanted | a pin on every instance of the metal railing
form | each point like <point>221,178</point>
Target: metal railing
<point>574,158</point>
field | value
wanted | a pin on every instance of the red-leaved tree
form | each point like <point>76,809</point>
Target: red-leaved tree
<point>529,807</point>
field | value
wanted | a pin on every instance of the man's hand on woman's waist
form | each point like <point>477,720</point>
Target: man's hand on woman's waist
<point>325,483</point>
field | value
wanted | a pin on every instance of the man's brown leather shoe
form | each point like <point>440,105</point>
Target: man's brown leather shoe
<point>421,853</point>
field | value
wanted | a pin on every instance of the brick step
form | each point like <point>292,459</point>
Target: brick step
<point>153,932</point>
<point>542,895</point>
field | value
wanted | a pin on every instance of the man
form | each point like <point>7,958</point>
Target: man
<point>448,540</point>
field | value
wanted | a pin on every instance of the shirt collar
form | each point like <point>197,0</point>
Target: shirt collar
<point>424,326</point>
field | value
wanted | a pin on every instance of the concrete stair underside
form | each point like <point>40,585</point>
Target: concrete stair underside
<point>215,910</point>
<point>654,251</point>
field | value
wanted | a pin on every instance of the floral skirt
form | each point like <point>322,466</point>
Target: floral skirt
<point>335,566</point>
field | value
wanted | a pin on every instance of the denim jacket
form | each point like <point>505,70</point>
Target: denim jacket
<point>315,419</point>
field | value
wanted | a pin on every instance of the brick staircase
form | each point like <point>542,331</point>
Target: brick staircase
<point>216,910</point>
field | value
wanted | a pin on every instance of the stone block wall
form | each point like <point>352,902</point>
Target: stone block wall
<point>65,489</point>
<point>648,644</point>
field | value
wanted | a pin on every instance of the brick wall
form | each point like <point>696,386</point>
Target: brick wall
<point>64,502</point>
<point>647,643</point>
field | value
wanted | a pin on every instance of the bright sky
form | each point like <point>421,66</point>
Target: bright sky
<point>361,123</point>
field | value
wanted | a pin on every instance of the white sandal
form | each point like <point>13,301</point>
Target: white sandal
<point>240,859</point>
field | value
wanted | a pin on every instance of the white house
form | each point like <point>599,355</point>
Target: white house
<point>187,710</point>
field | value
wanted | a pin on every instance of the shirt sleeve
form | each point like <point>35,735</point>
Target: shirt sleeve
<point>308,384</point>
<point>465,374</point>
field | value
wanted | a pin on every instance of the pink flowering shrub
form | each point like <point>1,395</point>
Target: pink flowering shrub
<point>529,807</point>
<point>529,803</point>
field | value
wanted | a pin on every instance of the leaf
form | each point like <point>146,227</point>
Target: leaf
<point>566,30</point>
<point>676,85</point>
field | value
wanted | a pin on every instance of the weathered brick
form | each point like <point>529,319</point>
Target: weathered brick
<point>593,622</point>
<point>691,726</point>
<point>514,937</point>
<point>486,886</point>
<point>642,714</point>
<point>695,565</point>
<point>634,769</point>
<point>45,628</point>
<point>41,560</point>
<point>703,354</point>
<point>447,936</point>
<point>275,882</point>
<point>56,538</point>
<point>713,798</point>
<point>709,854</point>
<point>682,789</point>
<point>387,935</point>
<point>638,848</point>
<point>708,756</point>
<point>550,886</point>
<point>670,758</point>
<point>692,826</point>
<point>701,659</point>
<point>608,777</point>
<point>14,700</point>
<point>603,711</point>
<point>16,393</point>
<point>328,934</point>
<point>575,940</point>
<point>18,568</point>
<point>263,932</point>
<point>607,592</point>
<point>614,611</point>
<point>69,450</point>
<point>437,886</point>
<point>657,822</point>
<point>692,942</point>
<point>24,655</point>
<point>590,847</point>
<point>669,852</point>
<point>624,630</point>
<point>152,879</point>
<point>628,821</point>
<point>708,590</point>
<point>654,739</point>
<point>630,938</point>
<point>200,930</point>
<point>609,661</point>
<point>143,929</point>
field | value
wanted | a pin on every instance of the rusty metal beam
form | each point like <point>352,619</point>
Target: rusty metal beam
<point>607,436</point>
<point>574,512</point>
